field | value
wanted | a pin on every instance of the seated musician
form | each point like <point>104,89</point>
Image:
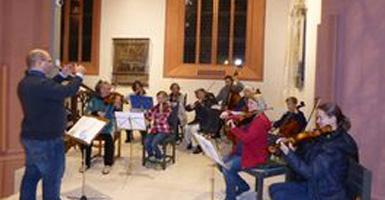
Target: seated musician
<point>242,106</point>
<point>323,168</point>
<point>160,128</point>
<point>292,113</point>
<point>250,149</point>
<point>178,115</point>
<point>138,89</point>
<point>231,85</point>
<point>206,118</point>
<point>103,106</point>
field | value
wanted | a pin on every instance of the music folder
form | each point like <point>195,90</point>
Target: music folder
<point>141,102</point>
<point>87,128</point>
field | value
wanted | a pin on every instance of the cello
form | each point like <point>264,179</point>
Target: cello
<point>233,97</point>
<point>291,126</point>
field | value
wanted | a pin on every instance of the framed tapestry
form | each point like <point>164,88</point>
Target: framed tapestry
<point>130,60</point>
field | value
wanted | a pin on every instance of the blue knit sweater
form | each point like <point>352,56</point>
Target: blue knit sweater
<point>42,101</point>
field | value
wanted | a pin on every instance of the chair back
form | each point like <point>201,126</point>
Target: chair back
<point>359,180</point>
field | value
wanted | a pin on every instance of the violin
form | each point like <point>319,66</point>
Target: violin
<point>110,99</point>
<point>303,136</point>
<point>245,118</point>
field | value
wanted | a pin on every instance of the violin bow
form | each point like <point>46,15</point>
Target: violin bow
<point>316,103</point>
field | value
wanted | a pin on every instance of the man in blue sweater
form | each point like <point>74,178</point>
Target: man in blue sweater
<point>44,123</point>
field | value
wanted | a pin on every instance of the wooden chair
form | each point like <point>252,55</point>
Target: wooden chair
<point>261,172</point>
<point>99,144</point>
<point>169,157</point>
<point>359,180</point>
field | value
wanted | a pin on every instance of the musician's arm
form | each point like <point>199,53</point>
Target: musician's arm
<point>238,86</point>
<point>221,95</point>
<point>59,78</point>
<point>278,123</point>
<point>256,129</point>
<point>92,108</point>
<point>189,108</point>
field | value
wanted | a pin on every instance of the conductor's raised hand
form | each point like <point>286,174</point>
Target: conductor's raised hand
<point>80,69</point>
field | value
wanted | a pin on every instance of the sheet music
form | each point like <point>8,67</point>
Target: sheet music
<point>130,120</point>
<point>209,149</point>
<point>87,128</point>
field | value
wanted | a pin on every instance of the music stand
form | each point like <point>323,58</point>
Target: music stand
<point>130,121</point>
<point>211,152</point>
<point>84,131</point>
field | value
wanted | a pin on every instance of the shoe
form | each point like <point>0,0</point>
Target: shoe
<point>197,150</point>
<point>82,169</point>
<point>189,146</point>
<point>159,159</point>
<point>151,158</point>
<point>106,169</point>
<point>178,141</point>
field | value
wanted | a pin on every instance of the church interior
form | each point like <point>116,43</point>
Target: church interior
<point>315,50</point>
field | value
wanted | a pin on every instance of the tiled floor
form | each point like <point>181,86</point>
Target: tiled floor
<point>190,178</point>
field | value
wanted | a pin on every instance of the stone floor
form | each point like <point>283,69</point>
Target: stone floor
<point>190,178</point>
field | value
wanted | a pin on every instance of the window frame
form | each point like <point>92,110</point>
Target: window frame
<point>174,45</point>
<point>93,65</point>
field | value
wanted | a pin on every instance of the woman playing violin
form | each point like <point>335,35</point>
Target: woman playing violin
<point>323,166</point>
<point>250,148</point>
<point>103,105</point>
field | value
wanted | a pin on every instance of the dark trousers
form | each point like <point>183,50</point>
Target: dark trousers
<point>108,150</point>
<point>43,160</point>
<point>289,191</point>
<point>130,136</point>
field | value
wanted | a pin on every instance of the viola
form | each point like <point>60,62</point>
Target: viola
<point>303,136</point>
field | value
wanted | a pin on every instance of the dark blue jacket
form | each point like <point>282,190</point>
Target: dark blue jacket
<point>324,164</point>
<point>42,101</point>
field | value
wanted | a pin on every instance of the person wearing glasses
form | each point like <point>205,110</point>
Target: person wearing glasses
<point>44,123</point>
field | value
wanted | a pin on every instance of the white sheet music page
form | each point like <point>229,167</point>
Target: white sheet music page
<point>130,121</point>
<point>86,128</point>
<point>209,149</point>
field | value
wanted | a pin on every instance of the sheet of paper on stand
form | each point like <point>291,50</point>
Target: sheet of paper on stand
<point>130,120</point>
<point>87,128</point>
